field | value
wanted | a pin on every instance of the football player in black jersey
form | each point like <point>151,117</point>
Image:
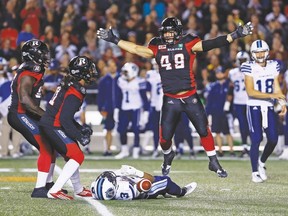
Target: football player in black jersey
<point>175,54</point>
<point>25,112</point>
<point>62,131</point>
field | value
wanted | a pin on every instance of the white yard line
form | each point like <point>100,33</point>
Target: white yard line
<point>6,170</point>
<point>99,207</point>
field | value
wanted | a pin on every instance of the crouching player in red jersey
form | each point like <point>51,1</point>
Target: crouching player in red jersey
<point>175,54</point>
<point>62,131</point>
<point>25,112</point>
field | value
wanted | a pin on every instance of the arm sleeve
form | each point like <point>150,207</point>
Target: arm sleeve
<point>215,43</point>
<point>70,107</point>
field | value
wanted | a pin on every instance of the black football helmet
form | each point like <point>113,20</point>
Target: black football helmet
<point>81,67</point>
<point>36,51</point>
<point>171,24</point>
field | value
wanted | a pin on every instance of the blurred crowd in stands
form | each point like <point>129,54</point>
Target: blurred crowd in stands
<point>69,28</point>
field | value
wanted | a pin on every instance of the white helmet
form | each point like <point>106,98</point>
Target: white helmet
<point>3,65</point>
<point>241,57</point>
<point>129,70</point>
<point>259,46</point>
<point>105,186</point>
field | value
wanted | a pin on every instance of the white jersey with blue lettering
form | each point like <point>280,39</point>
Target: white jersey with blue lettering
<point>131,99</point>
<point>156,98</point>
<point>240,96</point>
<point>127,188</point>
<point>263,78</point>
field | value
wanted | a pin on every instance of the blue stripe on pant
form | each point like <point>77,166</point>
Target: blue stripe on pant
<point>256,134</point>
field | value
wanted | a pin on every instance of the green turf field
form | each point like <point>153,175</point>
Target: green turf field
<point>235,195</point>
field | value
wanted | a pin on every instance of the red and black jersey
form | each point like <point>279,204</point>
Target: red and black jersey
<point>175,63</point>
<point>27,69</point>
<point>62,107</point>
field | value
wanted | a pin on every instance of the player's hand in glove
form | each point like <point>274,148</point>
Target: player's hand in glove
<point>107,35</point>
<point>242,31</point>
<point>84,140</point>
<point>131,171</point>
<point>86,130</point>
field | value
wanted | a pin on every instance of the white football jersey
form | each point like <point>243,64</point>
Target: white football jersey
<point>131,93</point>
<point>153,77</point>
<point>263,79</point>
<point>126,188</point>
<point>240,96</point>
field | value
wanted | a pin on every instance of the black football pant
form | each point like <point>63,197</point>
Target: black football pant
<point>171,113</point>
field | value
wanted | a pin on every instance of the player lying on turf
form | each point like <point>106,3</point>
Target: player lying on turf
<point>129,183</point>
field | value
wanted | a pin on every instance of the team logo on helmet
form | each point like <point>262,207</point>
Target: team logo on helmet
<point>35,43</point>
<point>36,68</point>
<point>81,62</point>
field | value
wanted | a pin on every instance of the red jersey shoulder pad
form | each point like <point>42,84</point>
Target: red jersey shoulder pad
<point>189,37</point>
<point>31,66</point>
<point>79,88</point>
<point>155,41</point>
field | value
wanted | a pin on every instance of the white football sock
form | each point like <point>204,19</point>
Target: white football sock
<point>261,163</point>
<point>68,170</point>
<point>75,179</point>
<point>50,174</point>
<point>167,151</point>
<point>41,179</point>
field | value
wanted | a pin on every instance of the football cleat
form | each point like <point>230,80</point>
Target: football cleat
<point>155,154</point>
<point>85,193</point>
<point>59,195</point>
<point>49,185</point>
<point>168,158</point>
<point>256,177</point>
<point>188,189</point>
<point>284,155</point>
<point>39,192</point>
<point>262,172</point>
<point>122,154</point>
<point>216,167</point>
<point>244,153</point>
<point>192,155</point>
<point>135,152</point>
<point>107,153</point>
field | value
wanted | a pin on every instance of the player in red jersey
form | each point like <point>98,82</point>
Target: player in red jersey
<point>25,112</point>
<point>175,54</point>
<point>62,131</point>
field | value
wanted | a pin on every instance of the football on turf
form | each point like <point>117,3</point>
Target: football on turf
<point>144,185</point>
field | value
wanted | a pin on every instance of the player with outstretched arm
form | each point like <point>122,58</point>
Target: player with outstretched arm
<point>175,54</point>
